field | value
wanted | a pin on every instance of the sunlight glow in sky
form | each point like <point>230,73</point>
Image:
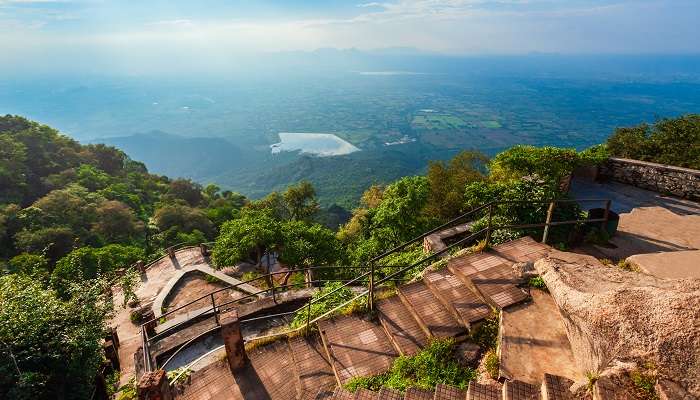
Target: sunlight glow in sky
<point>135,32</point>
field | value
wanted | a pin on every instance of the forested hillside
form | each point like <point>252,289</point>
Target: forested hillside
<point>74,218</point>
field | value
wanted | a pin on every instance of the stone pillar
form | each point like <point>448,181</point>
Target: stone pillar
<point>309,278</point>
<point>154,386</point>
<point>171,252</point>
<point>141,266</point>
<point>233,340</point>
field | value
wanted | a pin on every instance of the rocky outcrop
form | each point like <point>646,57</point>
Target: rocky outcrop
<point>667,179</point>
<point>612,316</point>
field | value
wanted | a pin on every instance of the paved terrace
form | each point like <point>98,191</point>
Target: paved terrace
<point>159,279</point>
<point>650,223</point>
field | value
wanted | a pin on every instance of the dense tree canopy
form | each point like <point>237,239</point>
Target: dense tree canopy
<point>49,347</point>
<point>669,141</point>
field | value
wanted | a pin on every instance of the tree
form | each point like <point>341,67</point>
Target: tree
<point>106,158</point>
<point>116,222</point>
<point>92,178</point>
<point>400,216</point>
<point>301,201</point>
<point>13,155</point>
<point>673,141</point>
<point>307,245</point>
<point>274,204</point>
<point>32,265</point>
<point>550,164</point>
<point>53,243</point>
<point>183,219</point>
<point>448,180</point>
<point>50,348</point>
<point>255,232</point>
<point>88,263</point>
<point>185,189</point>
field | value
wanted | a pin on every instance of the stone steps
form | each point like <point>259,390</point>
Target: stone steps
<point>446,392</point>
<point>356,347</point>
<point>556,388</point>
<point>431,315</point>
<point>491,276</point>
<point>517,390</point>
<point>463,303</point>
<point>312,369</point>
<point>418,394</point>
<point>478,391</point>
<point>403,330</point>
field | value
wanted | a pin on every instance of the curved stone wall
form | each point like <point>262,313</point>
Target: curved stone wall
<point>667,179</point>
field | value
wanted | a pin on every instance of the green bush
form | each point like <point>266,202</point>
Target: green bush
<point>644,381</point>
<point>434,364</point>
<point>492,364</point>
<point>325,304</point>
<point>538,283</point>
<point>486,334</point>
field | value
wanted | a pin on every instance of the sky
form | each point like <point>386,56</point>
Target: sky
<point>134,34</point>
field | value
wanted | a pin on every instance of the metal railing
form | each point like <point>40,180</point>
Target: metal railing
<point>369,277</point>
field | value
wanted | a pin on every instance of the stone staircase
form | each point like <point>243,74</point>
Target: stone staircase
<point>552,388</point>
<point>445,303</point>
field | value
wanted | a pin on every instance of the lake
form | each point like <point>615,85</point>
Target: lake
<point>320,144</point>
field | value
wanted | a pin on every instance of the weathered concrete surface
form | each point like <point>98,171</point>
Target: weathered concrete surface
<point>152,281</point>
<point>533,341</point>
<point>652,230</point>
<point>625,198</point>
<point>167,291</point>
<point>611,314</point>
<point>671,265</point>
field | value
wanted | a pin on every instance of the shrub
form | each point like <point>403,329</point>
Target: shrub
<point>326,303</point>
<point>486,334</point>
<point>538,283</point>
<point>491,363</point>
<point>434,364</point>
<point>644,381</point>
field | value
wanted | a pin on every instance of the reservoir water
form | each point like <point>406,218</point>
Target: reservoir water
<point>320,144</point>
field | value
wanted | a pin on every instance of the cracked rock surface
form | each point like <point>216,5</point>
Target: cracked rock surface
<point>612,315</point>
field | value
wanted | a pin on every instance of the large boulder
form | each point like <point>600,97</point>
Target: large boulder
<point>612,316</point>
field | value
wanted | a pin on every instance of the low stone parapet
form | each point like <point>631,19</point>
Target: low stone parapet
<point>667,179</point>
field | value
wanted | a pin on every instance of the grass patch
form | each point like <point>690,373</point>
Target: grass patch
<point>486,334</point>
<point>592,378</point>
<point>434,364</point>
<point>644,381</point>
<point>182,374</point>
<point>627,266</point>
<point>538,283</point>
<point>128,391</point>
<point>260,283</point>
<point>491,363</point>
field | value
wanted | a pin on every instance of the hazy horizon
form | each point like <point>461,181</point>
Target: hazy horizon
<point>110,37</point>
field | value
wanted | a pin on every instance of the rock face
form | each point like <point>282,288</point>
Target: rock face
<point>613,316</point>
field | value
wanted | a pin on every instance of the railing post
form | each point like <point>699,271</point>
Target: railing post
<point>606,216</point>
<point>488,227</point>
<point>213,307</point>
<point>272,287</point>
<point>550,210</point>
<point>370,298</point>
<point>308,313</point>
